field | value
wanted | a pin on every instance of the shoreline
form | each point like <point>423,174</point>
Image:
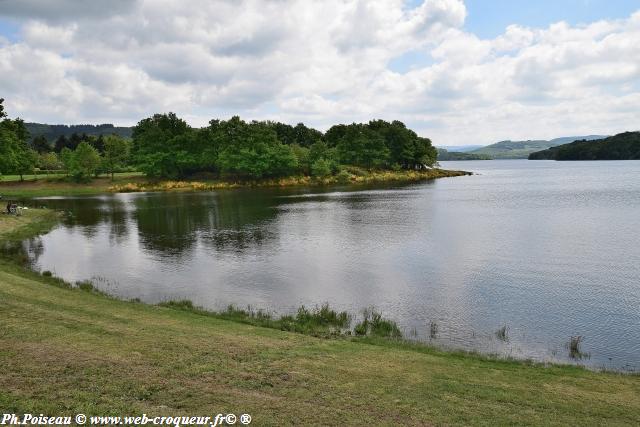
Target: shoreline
<point>38,221</point>
<point>135,183</point>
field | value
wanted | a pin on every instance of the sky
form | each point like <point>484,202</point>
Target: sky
<point>458,72</point>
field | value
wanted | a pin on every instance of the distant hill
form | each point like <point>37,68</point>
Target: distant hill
<point>52,132</point>
<point>522,149</point>
<point>460,148</point>
<point>444,155</point>
<point>624,146</point>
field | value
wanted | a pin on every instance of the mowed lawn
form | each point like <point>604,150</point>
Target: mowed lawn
<point>64,351</point>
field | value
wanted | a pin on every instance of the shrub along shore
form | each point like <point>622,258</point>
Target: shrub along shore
<point>74,350</point>
<point>353,176</point>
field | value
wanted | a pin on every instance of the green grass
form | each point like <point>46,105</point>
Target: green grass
<point>58,176</point>
<point>32,222</point>
<point>64,351</point>
<point>61,186</point>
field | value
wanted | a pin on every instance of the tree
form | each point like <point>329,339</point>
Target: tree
<point>253,151</point>
<point>83,162</point>
<point>362,146</point>
<point>74,141</point>
<point>116,153</point>
<point>40,144</point>
<point>2,113</point>
<point>15,155</point>
<point>302,156</point>
<point>8,148</point>
<point>66,157</point>
<point>305,136</point>
<point>61,143</point>
<point>98,143</point>
<point>165,146</point>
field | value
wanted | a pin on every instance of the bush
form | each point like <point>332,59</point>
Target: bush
<point>321,168</point>
<point>343,177</point>
<point>85,285</point>
<point>184,304</point>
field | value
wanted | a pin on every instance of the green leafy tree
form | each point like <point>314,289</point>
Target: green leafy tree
<point>15,155</point>
<point>362,146</point>
<point>253,151</point>
<point>116,153</point>
<point>83,162</point>
<point>166,146</point>
<point>8,149</point>
<point>335,134</point>
<point>303,158</point>
<point>66,157</point>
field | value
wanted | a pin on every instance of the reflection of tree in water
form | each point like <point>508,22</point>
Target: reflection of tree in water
<point>173,222</point>
<point>26,251</point>
<point>88,214</point>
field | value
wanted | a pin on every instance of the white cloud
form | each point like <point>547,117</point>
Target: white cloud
<point>319,62</point>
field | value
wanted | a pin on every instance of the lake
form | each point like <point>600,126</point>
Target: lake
<point>548,249</point>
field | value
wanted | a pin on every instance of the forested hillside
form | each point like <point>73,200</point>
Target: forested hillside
<point>522,149</point>
<point>446,155</point>
<point>624,146</point>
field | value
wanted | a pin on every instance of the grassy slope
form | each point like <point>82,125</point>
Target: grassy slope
<point>67,351</point>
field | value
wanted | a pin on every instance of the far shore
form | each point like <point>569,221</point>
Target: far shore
<point>59,185</point>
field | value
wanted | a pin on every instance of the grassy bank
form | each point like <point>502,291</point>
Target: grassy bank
<point>61,186</point>
<point>64,351</point>
<point>32,222</point>
<point>135,183</point>
<point>354,176</point>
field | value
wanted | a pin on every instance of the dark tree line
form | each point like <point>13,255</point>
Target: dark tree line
<point>624,146</point>
<point>52,132</point>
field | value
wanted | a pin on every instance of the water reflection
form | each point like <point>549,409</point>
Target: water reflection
<point>548,250</point>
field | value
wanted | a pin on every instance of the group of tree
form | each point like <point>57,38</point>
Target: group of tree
<point>166,146</point>
<point>16,157</point>
<point>87,160</point>
<point>80,156</point>
<point>624,146</point>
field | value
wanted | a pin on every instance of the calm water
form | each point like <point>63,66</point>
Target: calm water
<point>548,249</point>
